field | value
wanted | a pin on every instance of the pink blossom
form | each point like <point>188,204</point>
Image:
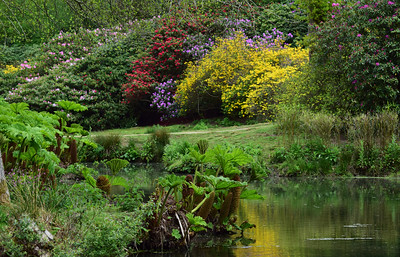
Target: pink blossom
<point>377,64</point>
<point>390,3</point>
<point>335,4</point>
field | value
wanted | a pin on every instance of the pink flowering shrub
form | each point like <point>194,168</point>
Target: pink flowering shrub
<point>357,55</point>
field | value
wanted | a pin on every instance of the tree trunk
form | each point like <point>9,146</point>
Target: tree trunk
<point>4,194</point>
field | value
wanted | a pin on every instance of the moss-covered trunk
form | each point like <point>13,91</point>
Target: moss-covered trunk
<point>4,194</point>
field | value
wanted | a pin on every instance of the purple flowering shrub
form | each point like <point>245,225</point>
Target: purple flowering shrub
<point>358,51</point>
<point>163,99</point>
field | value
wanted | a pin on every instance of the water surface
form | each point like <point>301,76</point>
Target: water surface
<point>313,217</point>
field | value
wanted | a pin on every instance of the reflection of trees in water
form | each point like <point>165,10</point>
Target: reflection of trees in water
<point>298,209</point>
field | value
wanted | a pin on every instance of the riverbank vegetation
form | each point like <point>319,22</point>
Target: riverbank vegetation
<point>250,89</point>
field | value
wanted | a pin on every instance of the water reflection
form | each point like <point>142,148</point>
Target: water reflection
<point>310,217</point>
<point>324,217</point>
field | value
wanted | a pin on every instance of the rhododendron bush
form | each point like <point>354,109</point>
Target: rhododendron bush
<point>357,51</point>
<point>240,76</point>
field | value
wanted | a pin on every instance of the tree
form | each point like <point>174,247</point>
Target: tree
<point>4,194</point>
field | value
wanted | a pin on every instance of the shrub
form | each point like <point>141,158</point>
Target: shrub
<point>312,158</point>
<point>240,76</point>
<point>285,17</point>
<point>391,160</point>
<point>81,71</point>
<point>358,49</point>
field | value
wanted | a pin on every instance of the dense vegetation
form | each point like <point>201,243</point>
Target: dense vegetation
<point>326,73</point>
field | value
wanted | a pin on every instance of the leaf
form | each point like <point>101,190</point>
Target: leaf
<point>119,181</point>
<point>171,181</point>
<point>246,225</point>
<point>228,161</point>
<point>197,223</point>
<point>76,129</point>
<point>251,195</point>
<point>222,183</point>
<point>197,156</point>
<point>88,142</point>
<point>116,165</point>
<point>19,107</point>
<point>239,157</point>
<point>71,106</point>
<point>198,190</point>
<point>88,177</point>
<point>175,233</point>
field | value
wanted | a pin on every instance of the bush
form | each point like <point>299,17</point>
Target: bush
<point>313,158</point>
<point>284,17</point>
<point>74,68</point>
<point>357,49</point>
<point>240,77</point>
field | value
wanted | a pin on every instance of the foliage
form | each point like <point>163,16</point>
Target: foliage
<point>87,67</point>
<point>27,137</point>
<point>240,76</point>
<point>116,165</point>
<point>356,50</point>
<point>312,158</point>
<point>373,129</point>
<point>285,17</point>
<point>316,10</point>
<point>176,157</point>
<point>110,144</point>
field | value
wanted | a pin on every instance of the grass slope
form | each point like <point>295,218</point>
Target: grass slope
<point>261,135</point>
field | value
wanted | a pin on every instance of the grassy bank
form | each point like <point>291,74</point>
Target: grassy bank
<point>262,135</point>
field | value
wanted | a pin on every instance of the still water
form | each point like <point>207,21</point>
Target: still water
<point>314,217</point>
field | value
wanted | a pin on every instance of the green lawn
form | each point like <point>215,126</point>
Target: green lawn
<point>259,135</point>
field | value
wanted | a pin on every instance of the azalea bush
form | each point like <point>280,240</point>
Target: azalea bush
<point>186,36</point>
<point>357,52</point>
<point>87,67</point>
<point>240,76</point>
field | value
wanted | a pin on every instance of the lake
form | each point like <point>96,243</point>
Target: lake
<point>305,217</point>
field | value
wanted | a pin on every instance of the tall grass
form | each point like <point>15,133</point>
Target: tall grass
<point>321,125</point>
<point>288,120</point>
<point>373,129</point>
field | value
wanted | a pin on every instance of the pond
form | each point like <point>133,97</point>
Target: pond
<point>313,217</point>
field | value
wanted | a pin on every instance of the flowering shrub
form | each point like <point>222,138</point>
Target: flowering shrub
<point>87,67</point>
<point>179,39</point>
<point>165,58</point>
<point>10,69</point>
<point>163,99</point>
<point>239,76</point>
<point>283,16</point>
<point>359,46</point>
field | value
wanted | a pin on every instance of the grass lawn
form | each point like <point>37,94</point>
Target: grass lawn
<point>261,135</point>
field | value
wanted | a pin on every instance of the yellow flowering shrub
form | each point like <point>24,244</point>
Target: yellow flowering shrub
<point>10,69</point>
<point>238,79</point>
